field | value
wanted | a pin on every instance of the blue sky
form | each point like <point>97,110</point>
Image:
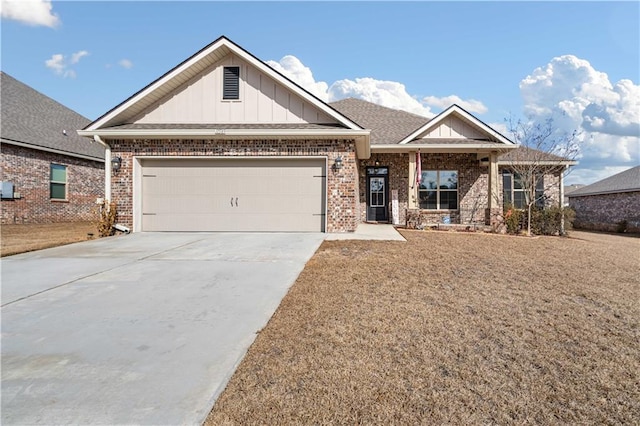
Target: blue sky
<point>579,61</point>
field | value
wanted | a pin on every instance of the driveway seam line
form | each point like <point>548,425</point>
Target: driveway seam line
<point>94,274</point>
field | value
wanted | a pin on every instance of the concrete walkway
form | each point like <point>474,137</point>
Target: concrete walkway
<point>138,329</point>
<point>370,231</point>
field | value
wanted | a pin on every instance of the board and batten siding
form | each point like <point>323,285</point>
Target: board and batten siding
<point>262,100</point>
<point>454,127</point>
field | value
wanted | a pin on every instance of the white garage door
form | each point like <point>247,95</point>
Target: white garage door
<point>233,195</point>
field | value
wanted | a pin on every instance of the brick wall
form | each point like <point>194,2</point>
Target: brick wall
<point>473,184</point>
<point>29,171</point>
<point>342,206</point>
<point>604,212</point>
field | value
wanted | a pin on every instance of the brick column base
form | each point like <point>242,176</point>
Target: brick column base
<point>495,219</point>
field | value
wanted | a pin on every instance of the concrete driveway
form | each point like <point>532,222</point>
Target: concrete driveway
<point>138,329</point>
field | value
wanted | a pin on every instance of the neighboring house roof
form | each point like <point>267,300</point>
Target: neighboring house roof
<point>524,154</point>
<point>627,181</point>
<point>388,126</point>
<point>568,189</point>
<point>36,121</point>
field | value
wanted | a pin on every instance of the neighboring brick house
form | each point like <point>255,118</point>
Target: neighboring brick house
<point>223,142</point>
<point>48,172</point>
<point>612,204</point>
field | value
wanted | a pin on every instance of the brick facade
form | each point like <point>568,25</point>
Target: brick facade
<point>473,187</point>
<point>343,210</point>
<point>29,171</point>
<point>605,212</point>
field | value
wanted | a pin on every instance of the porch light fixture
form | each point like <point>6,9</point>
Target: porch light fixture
<point>116,164</point>
<point>377,162</point>
<point>338,163</point>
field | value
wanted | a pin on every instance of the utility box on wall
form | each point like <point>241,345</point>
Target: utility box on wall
<point>6,189</point>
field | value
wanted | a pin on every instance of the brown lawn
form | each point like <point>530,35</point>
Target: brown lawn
<point>16,239</point>
<point>450,327</point>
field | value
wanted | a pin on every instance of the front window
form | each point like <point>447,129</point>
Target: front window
<point>438,190</point>
<point>58,182</point>
<point>514,191</point>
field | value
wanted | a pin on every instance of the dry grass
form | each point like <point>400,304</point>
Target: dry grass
<point>16,239</point>
<point>450,328</point>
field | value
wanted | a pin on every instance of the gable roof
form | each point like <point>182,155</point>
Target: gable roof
<point>627,181</point>
<point>36,121</point>
<point>188,69</point>
<point>388,126</point>
<point>493,135</point>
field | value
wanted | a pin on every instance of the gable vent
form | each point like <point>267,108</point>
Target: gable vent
<point>231,83</point>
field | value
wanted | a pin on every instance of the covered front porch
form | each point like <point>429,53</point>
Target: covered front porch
<point>457,188</point>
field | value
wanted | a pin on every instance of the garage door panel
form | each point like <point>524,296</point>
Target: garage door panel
<point>233,195</point>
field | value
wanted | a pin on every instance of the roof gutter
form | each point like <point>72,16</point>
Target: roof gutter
<point>436,148</point>
<point>52,150</point>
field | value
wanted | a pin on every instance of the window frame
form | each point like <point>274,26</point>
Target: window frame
<point>52,182</point>
<point>512,190</point>
<point>439,190</point>
<point>224,80</point>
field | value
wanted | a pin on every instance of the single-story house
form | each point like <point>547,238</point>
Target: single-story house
<point>223,142</point>
<point>568,189</point>
<point>611,204</point>
<point>48,172</point>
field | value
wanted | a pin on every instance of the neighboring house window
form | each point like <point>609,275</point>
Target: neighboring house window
<point>439,190</point>
<point>231,83</point>
<point>58,182</point>
<point>514,191</point>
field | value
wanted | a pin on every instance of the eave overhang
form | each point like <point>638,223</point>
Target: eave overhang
<point>52,150</point>
<point>361,137</point>
<point>442,148</point>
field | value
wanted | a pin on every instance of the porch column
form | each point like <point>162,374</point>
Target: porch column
<point>493,197</point>
<point>412,181</point>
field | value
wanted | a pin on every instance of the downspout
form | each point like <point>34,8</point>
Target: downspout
<point>107,167</point>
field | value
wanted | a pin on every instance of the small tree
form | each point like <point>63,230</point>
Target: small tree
<point>543,150</point>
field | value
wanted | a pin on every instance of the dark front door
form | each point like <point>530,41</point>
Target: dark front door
<point>377,194</point>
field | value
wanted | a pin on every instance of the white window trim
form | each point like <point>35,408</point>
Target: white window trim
<point>65,183</point>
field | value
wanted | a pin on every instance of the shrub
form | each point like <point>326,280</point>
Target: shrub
<point>106,217</point>
<point>547,221</point>
<point>513,219</point>
<point>622,226</point>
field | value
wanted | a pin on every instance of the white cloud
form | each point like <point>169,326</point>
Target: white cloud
<point>59,64</point>
<point>75,57</point>
<point>578,97</point>
<point>30,12</point>
<point>470,105</point>
<point>125,63</point>
<point>56,63</point>
<point>390,94</point>
<point>386,93</point>
<point>292,68</point>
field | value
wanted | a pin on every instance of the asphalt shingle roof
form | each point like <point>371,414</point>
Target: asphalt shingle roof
<point>626,181</point>
<point>523,153</point>
<point>388,126</point>
<point>29,117</point>
<point>284,126</point>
